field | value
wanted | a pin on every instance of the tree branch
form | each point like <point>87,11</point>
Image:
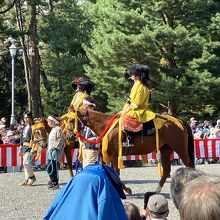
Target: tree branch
<point>9,7</point>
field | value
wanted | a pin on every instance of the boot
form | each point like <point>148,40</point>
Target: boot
<point>24,183</point>
<point>31,181</point>
<point>53,186</point>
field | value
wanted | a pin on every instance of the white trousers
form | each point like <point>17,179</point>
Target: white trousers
<point>28,170</point>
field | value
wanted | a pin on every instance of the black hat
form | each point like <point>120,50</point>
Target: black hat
<point>139,70</point>
<point>28,114</point>
<point>84,83</point>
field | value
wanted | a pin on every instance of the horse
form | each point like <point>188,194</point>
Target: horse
<point>40,130</point>
<point>171,138</point>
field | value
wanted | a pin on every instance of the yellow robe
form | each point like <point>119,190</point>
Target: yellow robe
<point>77,102</point>
<point>78,98</point>
<point>139,102</point>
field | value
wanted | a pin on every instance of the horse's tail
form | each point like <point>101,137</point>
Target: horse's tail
<point>190,143</point>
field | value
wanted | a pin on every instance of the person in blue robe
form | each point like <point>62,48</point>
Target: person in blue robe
<point>93,194</point>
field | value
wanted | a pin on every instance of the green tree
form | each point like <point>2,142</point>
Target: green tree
<point>170,36</point>
<point>62,32</point>
<point>7,30</point>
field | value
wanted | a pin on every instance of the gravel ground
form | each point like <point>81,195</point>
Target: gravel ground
<point>22,202</point>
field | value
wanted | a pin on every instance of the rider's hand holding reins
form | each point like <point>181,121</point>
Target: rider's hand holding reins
<point>123,112</point>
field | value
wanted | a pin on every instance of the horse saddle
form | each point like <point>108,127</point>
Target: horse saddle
<point>148,129</point>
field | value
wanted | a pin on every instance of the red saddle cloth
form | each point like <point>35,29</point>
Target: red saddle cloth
<point>131,124</point>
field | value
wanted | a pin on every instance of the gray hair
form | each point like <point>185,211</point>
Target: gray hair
<point>201,199</point>
<point>182,176</point>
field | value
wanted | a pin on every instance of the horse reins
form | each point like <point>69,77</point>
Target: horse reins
<point>99,139</point>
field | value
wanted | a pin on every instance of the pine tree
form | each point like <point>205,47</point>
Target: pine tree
<point>169,36</point>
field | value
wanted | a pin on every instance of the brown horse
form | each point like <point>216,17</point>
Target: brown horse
<point>171,138</point>
<point>40,130</point>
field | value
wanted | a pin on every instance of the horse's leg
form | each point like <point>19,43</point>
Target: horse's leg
<point>166,152</point>
<point>184,156</point>
<point>67,151</point>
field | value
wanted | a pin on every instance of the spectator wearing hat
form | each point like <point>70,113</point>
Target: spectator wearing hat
<point>55,150</point>
<point>25,148</point>
<point>157,207</point>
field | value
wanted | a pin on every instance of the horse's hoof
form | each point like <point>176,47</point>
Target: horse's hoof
<point>128,190</point>
<point>158,189</point>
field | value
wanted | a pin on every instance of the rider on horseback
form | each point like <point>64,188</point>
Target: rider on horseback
<point>83,88</point>
<point>135,110</point>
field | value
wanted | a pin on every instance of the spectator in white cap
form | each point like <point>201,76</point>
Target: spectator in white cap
<point>157,207</point>
<point>55,151</point>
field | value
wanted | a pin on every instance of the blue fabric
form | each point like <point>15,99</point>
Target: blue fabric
<point>88,196</point>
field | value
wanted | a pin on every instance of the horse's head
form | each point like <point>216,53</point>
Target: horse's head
<point>83,116</point>
<point>39,132</point>
<point>68,126</point>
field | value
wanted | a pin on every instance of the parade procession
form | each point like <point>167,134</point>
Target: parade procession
<point>109,110</point>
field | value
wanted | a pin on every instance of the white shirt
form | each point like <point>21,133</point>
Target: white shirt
<point>51,139</point>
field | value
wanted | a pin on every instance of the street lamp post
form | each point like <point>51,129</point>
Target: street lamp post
<point>13,51</point>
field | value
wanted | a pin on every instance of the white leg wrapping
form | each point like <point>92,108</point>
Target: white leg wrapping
<point>158,189</point>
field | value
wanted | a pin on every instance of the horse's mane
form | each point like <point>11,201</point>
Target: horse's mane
<point>98,120</point>
<point>44,121</point>
<point>100,115</point>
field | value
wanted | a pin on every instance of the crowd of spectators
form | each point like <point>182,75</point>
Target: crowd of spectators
<point>195,194</point>
<point>10,134</point>
<point>200,129</point>
<point>205,129</point>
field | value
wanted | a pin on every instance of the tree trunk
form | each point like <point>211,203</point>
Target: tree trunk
<point>26,60</point>
<point>35,73</point>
